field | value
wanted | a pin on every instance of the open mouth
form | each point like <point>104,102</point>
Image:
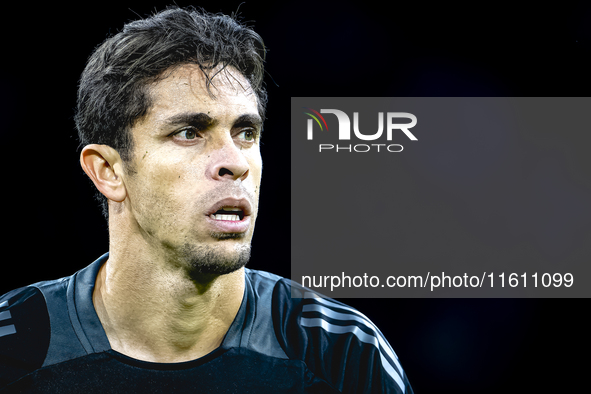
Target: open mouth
<point>233,214</point>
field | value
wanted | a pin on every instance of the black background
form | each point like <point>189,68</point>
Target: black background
<point>52,226</point>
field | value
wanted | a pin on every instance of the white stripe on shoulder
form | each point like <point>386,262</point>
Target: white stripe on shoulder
<point>383,342</point>
<point>357,316</point>
<point>4,315</point>
<point>332,303</point>
<point>7,330</point>
<point>358,332</point>
<point>362,336</point>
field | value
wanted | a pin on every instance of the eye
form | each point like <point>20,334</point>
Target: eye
<point>188,133</point>
<point>248,135</point>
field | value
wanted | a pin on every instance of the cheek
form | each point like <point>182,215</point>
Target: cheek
<point>256,170</point>
<point>180,183</point>
<point>163,190</point>
<point>256,165</point>
<point>169,169</point>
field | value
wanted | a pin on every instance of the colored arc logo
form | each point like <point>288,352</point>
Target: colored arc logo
<point>316,119</point>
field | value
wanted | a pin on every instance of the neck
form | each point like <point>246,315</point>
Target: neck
<point>155,311</point>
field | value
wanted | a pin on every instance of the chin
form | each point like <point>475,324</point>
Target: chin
<point>216,259</point>
<point>223,236</point>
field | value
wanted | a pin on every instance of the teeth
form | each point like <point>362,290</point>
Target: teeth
<point>225,217</point>
<point>234,214</point>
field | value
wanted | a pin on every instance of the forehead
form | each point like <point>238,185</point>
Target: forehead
<point>185,89</point>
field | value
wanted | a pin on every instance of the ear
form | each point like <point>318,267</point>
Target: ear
<point>104,167</point>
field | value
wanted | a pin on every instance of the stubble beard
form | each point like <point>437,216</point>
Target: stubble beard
<point>217,259</point>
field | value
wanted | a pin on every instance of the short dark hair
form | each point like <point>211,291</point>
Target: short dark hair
<point>113,94</point>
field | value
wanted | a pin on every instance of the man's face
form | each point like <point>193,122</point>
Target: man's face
<point>193,186</point>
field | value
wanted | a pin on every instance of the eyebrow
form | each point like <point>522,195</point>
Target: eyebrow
<point>197,119</point>
<point>202,121</point>
<point>249,120</point>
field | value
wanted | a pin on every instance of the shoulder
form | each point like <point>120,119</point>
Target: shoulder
<point>24,333</point>
<point>29,318</point>
<point>338,343</point>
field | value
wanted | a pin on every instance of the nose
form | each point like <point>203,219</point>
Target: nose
<point>228,163</point>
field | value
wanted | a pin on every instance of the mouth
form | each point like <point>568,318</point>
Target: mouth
<point>230,215</point>
<point>233,214</point>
